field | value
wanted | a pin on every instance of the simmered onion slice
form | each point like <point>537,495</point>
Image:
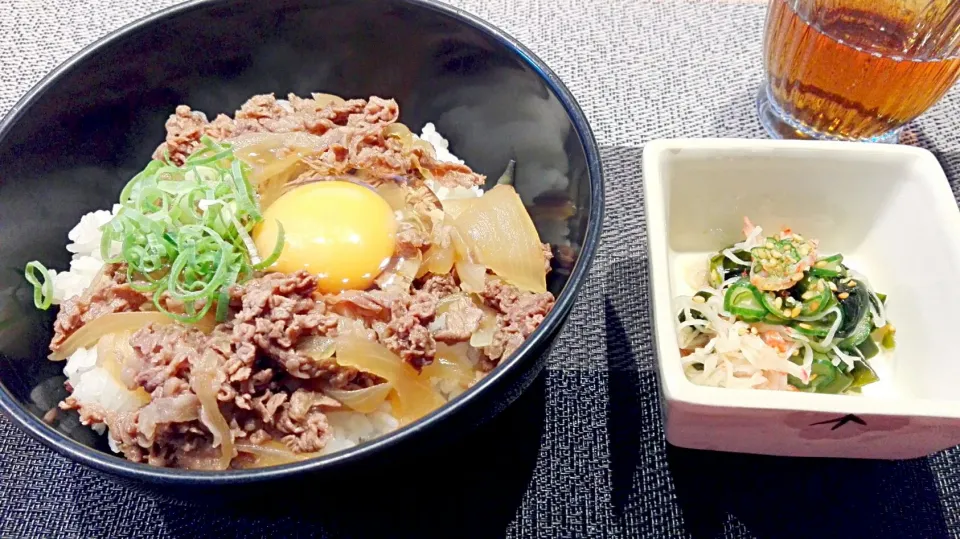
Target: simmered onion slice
<point>500,234</point>
<point>415,397</point>
<point>274,159</point>
<point>272,453</point>
<point>364,400</point>
<point>451,363</point>
<point>90,333</point>
<point>473,277</point>
<point>203,382</point>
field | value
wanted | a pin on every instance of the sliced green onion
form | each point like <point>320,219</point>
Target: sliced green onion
<point>191,315</point>
<point>210,159</point>
<point>42,285</point>
<point>175,249</point>
<point>223,301</point>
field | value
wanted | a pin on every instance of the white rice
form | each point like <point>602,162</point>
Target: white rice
<point>353,428</point>
<point>86,261</point>
<point>440,147</point>
<point>95,386</point>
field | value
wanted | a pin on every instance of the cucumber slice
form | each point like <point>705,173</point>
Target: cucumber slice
<point>819,329</point>
<point>774,313</point>
<point>815,294</point>
<point>830,267</point>
<point>743,301</point>
<point>722,268</point>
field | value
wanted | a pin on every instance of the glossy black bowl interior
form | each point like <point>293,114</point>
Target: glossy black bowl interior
<point>73,142</point>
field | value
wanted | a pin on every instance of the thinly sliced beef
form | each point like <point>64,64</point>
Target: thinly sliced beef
<point>185,128</point>
<point>439,285</point>
<point>519,314</point>
<point>302,423</point>
<point>113,295</point>
<point>354,130</point>
<point>407,333</point>
<point>275,311</point>
<point>268,390</point>
<point>163,352</point>
<point>164,410</point>
<point>259,371</point>
<point>459,322</point>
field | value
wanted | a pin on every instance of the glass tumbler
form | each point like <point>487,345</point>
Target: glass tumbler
<point>856,69</point>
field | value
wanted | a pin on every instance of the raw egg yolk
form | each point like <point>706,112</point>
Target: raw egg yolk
<point>343,233</point>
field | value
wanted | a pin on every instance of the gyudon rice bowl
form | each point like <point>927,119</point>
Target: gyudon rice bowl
<point>292,281</point>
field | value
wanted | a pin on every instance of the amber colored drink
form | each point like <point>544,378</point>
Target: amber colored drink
<point>855,69</point>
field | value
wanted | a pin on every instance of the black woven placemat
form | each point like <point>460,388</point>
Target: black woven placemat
<point>582,454</point>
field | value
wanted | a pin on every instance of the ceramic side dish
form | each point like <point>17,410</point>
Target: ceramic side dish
<point>890,211</point>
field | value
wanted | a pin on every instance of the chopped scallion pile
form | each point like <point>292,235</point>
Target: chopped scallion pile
<point>184,233</point>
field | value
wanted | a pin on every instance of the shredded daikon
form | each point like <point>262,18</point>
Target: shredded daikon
<point>877,308</point>
<point>754,238</point>
<point>729,254</point>
<point>734,356</point>
<point>837,320</point>
<point>842,357</point>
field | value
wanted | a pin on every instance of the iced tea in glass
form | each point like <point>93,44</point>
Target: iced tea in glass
<point>856,69</point>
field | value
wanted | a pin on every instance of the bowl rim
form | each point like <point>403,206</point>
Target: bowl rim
<point>119,466</point>
<point>675,386</point>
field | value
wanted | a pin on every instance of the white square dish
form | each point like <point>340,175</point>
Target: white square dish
<point>890,211</point>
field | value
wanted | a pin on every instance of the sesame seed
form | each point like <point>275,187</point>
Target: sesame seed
<point>769,245</point>
<point>843,295</point>
<point>699,299</point>
<point>808,294</point>
<point>805,325</point>
<point>815,305</point>
<point>804,249</point>
<point>742,331</point>
<point>778,303</point>
<point>833,286</point>
<point>776,254</point>
<point>851,282</point>
<point>821,264</point>
<point>820,285</point>
<point>813,376</point>
<point>754,330</point>
<point>796,311</point>
<point>796,352</point>
<point>798,237</point>
<point>786,313</point>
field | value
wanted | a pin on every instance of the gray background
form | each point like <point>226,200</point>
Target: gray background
<point>587,443</point>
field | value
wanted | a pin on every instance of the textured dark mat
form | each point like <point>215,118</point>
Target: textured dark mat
<point>582,454</point>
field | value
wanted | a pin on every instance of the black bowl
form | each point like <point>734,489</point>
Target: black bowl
<point>70,145</point>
